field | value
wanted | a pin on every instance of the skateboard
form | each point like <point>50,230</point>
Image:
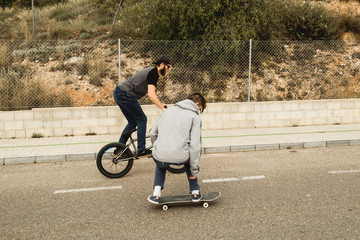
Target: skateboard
<point>172,200</point>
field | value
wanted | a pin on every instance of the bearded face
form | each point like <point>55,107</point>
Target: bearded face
<point>162,71</point>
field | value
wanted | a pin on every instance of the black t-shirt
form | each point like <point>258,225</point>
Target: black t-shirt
<point>153,77</point>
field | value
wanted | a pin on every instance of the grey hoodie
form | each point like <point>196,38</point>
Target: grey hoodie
<point>176,136</point>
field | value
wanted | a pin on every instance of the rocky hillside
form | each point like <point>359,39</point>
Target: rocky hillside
<point>84,73</point>
<point>297,70</point>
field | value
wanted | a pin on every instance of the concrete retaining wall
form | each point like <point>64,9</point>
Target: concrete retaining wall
<point>79,121</point>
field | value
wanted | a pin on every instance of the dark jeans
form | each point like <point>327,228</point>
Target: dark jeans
<point>160,173</point>
<point>130,107</point>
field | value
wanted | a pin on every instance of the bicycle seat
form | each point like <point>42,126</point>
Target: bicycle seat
<point>127,134</point>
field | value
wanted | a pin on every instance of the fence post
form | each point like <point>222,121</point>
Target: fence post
<point>33,18</point>
<point>119,61</point>
<point>250,48</point>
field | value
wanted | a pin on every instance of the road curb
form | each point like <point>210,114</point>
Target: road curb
<point>205,150</point>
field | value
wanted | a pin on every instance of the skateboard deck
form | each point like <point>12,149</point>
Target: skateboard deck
<point>171,200</point>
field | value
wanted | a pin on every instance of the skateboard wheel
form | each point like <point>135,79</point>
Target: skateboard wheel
<point>165,207</point>
<point>205,205</point>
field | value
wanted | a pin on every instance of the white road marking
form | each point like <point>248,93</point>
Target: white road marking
<point>87,189</point>
<point>253,177</point>
<point>220,180</point>
<point>344,171</point>
<point>232,179</point>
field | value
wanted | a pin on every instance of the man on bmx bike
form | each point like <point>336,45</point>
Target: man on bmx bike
<point>127,94</point>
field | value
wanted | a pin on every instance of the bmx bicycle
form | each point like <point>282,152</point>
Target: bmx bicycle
<point>115,160</point>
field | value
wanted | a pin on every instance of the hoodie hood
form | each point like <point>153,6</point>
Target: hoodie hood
<point>188,105</point>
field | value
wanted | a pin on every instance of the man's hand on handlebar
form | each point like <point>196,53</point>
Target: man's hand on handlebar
<point>164,107</point>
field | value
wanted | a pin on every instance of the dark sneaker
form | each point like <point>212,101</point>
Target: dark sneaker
<point>196,197</point>
<point>154,199</point>
<point>145,153</point>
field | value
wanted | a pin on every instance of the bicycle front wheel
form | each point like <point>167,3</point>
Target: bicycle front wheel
<point>114,160</point>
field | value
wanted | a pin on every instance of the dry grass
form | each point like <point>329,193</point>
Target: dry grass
<point>343,7</point>
<point>55,22</point>
<point>5,60</point>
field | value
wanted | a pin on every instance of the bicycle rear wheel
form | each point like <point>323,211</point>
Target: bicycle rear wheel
<point>176,168</point>
<point>110,164</point>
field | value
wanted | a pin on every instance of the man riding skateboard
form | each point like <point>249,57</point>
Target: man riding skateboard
<point>176,138</point>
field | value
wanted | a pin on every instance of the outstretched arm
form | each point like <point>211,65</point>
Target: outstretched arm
<point>154,98</point>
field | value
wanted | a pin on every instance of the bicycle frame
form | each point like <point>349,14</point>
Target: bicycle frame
<point>135,152</point>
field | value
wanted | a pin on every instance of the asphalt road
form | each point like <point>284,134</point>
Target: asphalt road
<point>282,194</point>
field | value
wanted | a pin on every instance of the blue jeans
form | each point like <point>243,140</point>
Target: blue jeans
<point>160,173</point>
<point>130,107</point>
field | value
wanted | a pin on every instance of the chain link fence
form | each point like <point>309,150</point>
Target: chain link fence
<point>84,73</point>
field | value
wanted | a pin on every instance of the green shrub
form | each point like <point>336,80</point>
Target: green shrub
<point>83,67</point>
<point>97,72</point>
<point>61,14</point>
<point>307,21</point>
<point>211,20</point>
<point>349,23</point>
<point>10,85</point>
<point>27,3</point>
<point>37,135</point>
<point>104,21</point>
<point>5,56</point>
<point>228,20</point>
<point>84,35</point>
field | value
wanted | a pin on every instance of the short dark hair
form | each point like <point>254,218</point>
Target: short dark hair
<point>162,59</point>
<point>198,98</point>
